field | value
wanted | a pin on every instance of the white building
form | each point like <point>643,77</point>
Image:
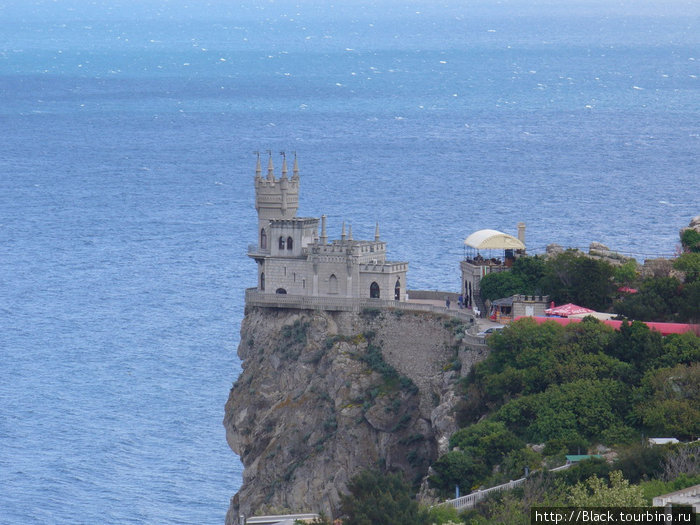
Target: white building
<point>293,259</point>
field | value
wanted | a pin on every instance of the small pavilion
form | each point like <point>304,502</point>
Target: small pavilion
<point>485,252</point>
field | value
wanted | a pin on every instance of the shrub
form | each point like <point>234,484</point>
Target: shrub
<point>380,499</point>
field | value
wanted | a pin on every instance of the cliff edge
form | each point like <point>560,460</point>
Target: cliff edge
<point>324,395</point>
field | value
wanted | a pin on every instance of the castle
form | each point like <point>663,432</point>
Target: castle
<point>293,259</point>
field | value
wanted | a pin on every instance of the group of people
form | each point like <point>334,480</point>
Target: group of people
<point>461,301</point>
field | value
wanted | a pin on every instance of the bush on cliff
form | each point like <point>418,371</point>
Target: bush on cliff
<point>380,499</point>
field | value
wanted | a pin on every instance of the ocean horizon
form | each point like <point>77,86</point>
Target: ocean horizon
<point>127,196</point>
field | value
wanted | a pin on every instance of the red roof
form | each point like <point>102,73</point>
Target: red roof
<point>662,328</point>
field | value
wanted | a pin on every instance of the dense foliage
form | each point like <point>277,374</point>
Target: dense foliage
<point>569,387</point>
<point>572,277</point>
<point>380,499</point>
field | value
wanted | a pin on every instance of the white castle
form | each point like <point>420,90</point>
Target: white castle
<point>293,259</point>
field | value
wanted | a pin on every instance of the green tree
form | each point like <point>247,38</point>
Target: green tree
<point>690,239</point>
<point>672,404</point>
<point>457,468</point>
<point>490,440</point>
<point>626,274</point>
<point>688,310</point>
<point>689,264</point>
<point>502,284</point>
<point>595,492</point>
<point>679,349</point>
<point>579,408</point>
<point>638,345</point>
<point>656,300</point>
<point>523,278</point>
<point>442,515</point>
<point>571,277</point>
<point>380,499</point>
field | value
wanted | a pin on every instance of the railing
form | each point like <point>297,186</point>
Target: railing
<point>468,501</point>
<point>253,297</point>
<point>687,496</point>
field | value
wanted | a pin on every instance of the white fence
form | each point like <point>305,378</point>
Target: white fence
<point>468,501</point>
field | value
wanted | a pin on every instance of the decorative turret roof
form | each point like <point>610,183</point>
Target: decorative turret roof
<point>270,168</point>
<point>295,169</point>
<point>284,165</point>
<point>258,168</point>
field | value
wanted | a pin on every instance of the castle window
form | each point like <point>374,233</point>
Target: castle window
<point>263,239</point>
<point>281,291</point>
<point>262,281</point>
<point>290,243</point>
<point>281,245</point>
<point>374,290</point>
<point>333,284</point>
<point>397,290</point>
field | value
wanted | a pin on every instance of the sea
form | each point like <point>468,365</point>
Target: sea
<point>129,131</point>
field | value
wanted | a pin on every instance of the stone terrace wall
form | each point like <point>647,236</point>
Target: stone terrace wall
<point>253,297</point>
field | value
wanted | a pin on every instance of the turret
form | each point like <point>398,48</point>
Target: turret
<point>324,237</point>
<point>274,198</point>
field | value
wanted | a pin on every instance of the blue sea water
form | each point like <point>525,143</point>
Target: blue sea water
<point>126,196</point>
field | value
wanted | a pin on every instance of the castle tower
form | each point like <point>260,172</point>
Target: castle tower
<point>274,198</point>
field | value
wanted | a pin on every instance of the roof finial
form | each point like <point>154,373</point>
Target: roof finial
<point>270,168</point>
<point>376,232</point>
<point>284,164</point>
<point>258,169</point>
<point>295,169</point>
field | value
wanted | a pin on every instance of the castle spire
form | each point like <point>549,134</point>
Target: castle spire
<point>324,237</point>
<point>295,169</point>
<point>270,167</point>
<point>350,232</point>
<point>258,169</point>
<point>376,232</point>
<point>284,165</point>
<point>342,233</point>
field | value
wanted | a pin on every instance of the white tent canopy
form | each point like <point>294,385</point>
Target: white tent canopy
<point>493,240</point>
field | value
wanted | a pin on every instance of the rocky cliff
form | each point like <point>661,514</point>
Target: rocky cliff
<point>324,395</point>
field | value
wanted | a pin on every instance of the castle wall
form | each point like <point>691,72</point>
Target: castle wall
<point>385,280</point>
<point>291,274</point>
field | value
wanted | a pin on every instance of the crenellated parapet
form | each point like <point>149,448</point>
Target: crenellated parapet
<point>276,198</point>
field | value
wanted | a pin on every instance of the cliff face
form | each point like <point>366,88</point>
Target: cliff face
<point>324,395</point>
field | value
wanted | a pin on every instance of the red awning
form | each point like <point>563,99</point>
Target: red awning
<point>565,310</point>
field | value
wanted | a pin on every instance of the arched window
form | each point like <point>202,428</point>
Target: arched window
<point>397,290</point>
<point>333,284</point>
<point>263,239</point>
<point>281,245</point>
<point>262,281</point>
<point>374,290</point>
<point>290,243</point>
<point>281,291</point>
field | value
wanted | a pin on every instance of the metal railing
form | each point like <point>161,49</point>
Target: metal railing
<point>468,501</point>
